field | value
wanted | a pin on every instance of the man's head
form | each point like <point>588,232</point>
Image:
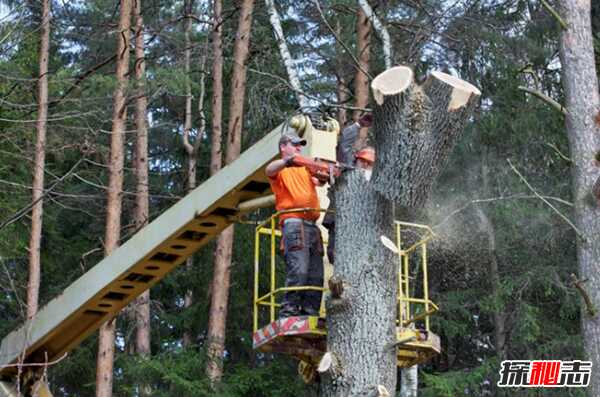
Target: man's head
<point>290,144</point>
<point>365,158</point>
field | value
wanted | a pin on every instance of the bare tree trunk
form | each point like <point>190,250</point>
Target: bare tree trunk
<point>342,85</point>
<point>381,31</point>
<point>223,252</point>
<point>361,81</point>
<point>409,381</point>
<point>580,83</point>
<point>33,286</point>
<point>106,340</point>
<point>499,316</point>
<point>285,53</point>
<point>415,129</point>
<point>216,156</point>
<point>342,97</point>
<point>192,149</point>
<point>192,154</point>
<point>142,303</point>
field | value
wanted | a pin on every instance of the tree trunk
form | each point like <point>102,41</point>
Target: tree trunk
<point>192,149</point>
<point>106,341</point>
<point>499,316</point>
<point>409,381</point>
<point>223,252</point>
<point>142,303</point>
<point>33,285</point>
<point>342,97</point>
<point>580,83</point>
<point>415,128</point>
<point>341,84</point>
<point>382,31</point>
<point>192,153</point>
<point>285,53</point>
<point>361,81</point>
<point>216,156</point>
<point>361,324</point>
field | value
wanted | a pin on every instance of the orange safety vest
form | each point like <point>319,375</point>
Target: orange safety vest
<point>294,188</point>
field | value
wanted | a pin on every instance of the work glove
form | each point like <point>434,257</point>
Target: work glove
<point>366,120</point>
<point>289,161</point>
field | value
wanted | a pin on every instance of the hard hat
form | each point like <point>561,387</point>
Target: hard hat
<point>367,154</point>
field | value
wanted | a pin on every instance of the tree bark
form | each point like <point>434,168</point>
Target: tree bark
<point>141,214</point>
<point>33,285</point>
<point>190,149</point>
<point>361,323</point>
<point>285,53</point>
<point>106,341</point>
<point>580,83</point>
<point>417,141</point>
<point>342,97</point>
<point>221,277</point>
<point>216,156</point>
<point>361,81</point>
<point>409,381</point>
<point>499,315</point>
<point>381,31</point>
<point>341,84</point>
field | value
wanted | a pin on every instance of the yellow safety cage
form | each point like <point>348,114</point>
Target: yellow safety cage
<point>304,337</point>
<point>416,342</point>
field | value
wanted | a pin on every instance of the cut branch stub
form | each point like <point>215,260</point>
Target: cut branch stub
<point>329,363</point>
<point>391,82</point>
<point>415,128</point>
<point>382,391</point>
<point>336,286</point>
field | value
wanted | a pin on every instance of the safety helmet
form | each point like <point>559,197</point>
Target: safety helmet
<point>367,154</point>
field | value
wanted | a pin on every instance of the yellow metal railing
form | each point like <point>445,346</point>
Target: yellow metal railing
<point>268,299</point>
<point>408,305</point>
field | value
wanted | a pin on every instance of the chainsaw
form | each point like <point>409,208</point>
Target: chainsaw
<point>324,170</point>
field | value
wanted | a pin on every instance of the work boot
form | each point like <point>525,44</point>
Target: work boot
<point>289,310</point>
<point>309,311</point>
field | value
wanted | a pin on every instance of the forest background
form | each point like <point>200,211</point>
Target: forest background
<point>500,266</point>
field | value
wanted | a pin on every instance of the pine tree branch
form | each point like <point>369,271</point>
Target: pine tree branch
<point>339,40</point>
<point>307,95</point>
<point>25,210</point>
<point>493,199</point>
<point>560,154</point>
<point>591,309</point>
<point>555,14</point>
<point>545,98</point>
<point>560,214</point>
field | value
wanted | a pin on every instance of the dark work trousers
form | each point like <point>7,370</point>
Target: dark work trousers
<point>303,253</point>
<point>331,245</point>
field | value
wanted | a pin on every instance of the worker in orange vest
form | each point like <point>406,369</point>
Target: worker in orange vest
<point>294,187</point>
<point>362,159</point>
